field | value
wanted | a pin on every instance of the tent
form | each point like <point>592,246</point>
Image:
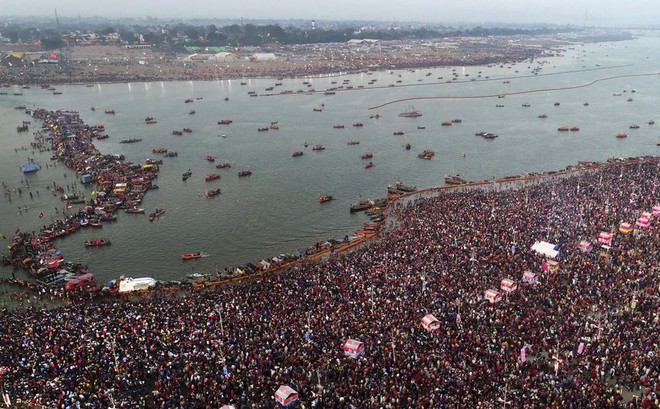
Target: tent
<point>545,248</point>
<point>508,285</point>
<point>136,284</point>
<point>493,296</point>
<point>656,210</point>
<point>605,237</point>
<point>643,221</point>
<point>430,323</point>
<point>353,348</point>
<point>285,395</point>
<point>625,227</point>
<point>29,168</point>
<point>585,246</point>
<point>529,278</point>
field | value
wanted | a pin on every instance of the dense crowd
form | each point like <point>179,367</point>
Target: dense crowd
<point>589,328</point>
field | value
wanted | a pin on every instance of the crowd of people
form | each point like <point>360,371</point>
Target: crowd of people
<point>585,336</point>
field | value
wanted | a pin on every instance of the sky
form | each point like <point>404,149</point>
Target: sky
<point>599,12</point>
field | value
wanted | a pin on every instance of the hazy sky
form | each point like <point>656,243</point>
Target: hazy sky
<point>600,12</point>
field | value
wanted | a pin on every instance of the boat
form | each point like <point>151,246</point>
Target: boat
<point>456,120</point>
<point>542,116</point>
<point>264,129</point>
<point>149,118</point>
<point>187,130</point>
<point>131,140</point>
<point>446,123</point>
<point>178,133</point>
<point>225,165</point>
<point>318,147</point>
<point>154,161</point>
<point>361,205</point>
<point>171,154</point>
<point>210,158</point>
<point>586,104</point>
<point>411,112</point>
<point>563,129</point>
<point>225,122</point>
<point>192,112</point>
<point>159,149</point>
<point>297,153</point>
<point>274,126</point>
<point>198,278</point>
<point>317,109</point>
<point>29,168</point>
<point>358,124</point>
<point>155,214</point>
<point>421,127</point>
<point>97,243</point>
<point>338,126</point>
<point>621,135</point>
<point>110,111</point>
<point>353,142</point>
<point>191,256</point>
<point>245,172</point>
<point>212,192</point>
<point>407,146</point>
<point>634,126</point>
<point>427,154</point>
<point>489,135</point>
<point>324,199</point>
<point>226,98</point>
<point>189,100</point>
<point>526,105</point>
<point>212,176</point>
<point>556,104</point>
<point>651,122</point>
<point>186,175</point>
<point>455,180</point>
<point>134,210</point>
<point>404,188</point>
<point>94,223</point>
<point>129,284</point>
<point>369,165</point>
<point>367,155</point>
<point>398,133</point>
<point>575,128</point>
<point>499,106</point>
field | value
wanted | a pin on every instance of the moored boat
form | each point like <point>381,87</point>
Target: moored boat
<point>455,180</point>
<point>134,210</point>
<point>97,243</point>
<point>190,256</point>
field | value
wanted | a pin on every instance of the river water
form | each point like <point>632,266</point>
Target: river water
<point>276,210</point>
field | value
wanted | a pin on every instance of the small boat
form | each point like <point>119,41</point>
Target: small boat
<point>563,129</point>
<point>455,180</point>
<point>338,126</point>
<point>369,165</point>
<point>171,154</point>
<point>446,123</point>
<point>245,172</point>
<point>575,128</point>
<point>407,146</point>
<point>159,149</point>
<point>178,133</point>
<point>353,143</point>
<point>212,176</point>
<point>586,104</point>
<point>297,153</point>
<point>134,210</point>
<point>186,175</point>
<point>149,118</point>
<point>226,98</point>
<point>210,158</point>
<point>411,112</point>
<point>318,147</point>
<point>367,155</point>
<point>634,126</point>
<point>556,104</point>
<point>212,192</point>
<point>362,205</point>
<point>542,116</point>
<point>156,214</point>
<point>489,135</point>
<point>398,133</point>
<point>499,106</point>
<point>456,121</point>
<point>421,127</point>
<point>192,112</point>
<point>190,256</point>
<point>317,109</point>
<point>651,122</point>
<point>274,126</point>
<point>358,124</point>
<point>154,161</point>
<point>198,278</point>
<point>264,129</point>
<point>324,199</point>
<point>225,165</point>
<point>621,135</point>
<point>427,154</point>
<point>97,243</point>
<point>629,100</point>
<point>187,130</point>
<point>189,100</point>
<point>225,122</point>
<point>526,105</point>
<point>110,111</point>
<point>404,188</point>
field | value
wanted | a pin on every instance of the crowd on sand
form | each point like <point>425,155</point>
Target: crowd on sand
<point>584,336</point>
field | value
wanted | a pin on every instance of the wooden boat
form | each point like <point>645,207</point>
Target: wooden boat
<point>318,147</point>
<point>97,243</point>
<point>367,155</point>
<point>398,133</point>
<point>353,142</point>
<point>324,199</point>
<point>210,158</point>
<point>225,165</point>
<point>369,165</point>
<point>621,135</point>
<point>212,192</point>
<point>427,154</point>
<point>455,180</point>
<point>225,122</point>
<point>358,124</point>
<point>245,172</point>
<point>157,213</point>
<point>212,176</point>
<point>134,210</point>
<point>178,133</point>
<point>338,126</point>
<point>190,256</point>
<point>110,111</point>
<point>297,153</point>
<point>131,140</point>
<point>187,130</point>
<point>186,175</point>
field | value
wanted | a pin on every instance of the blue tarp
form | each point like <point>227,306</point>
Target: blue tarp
<point>29,167</point>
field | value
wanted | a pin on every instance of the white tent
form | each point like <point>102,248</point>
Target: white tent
<point>545,248</point>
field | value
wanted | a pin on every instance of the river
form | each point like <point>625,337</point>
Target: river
<point>277,209</point>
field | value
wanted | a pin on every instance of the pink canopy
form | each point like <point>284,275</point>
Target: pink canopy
<point>285,395</point>
<point>430,323</point>
<point>625,227</point>
<point>508,285</point>
<point>643,221</point>
<point>493,296</point>
<point>585,246</point>
<point>605,237</point>
<point>353,348</point>
<point>529,277</point>
<point>656,210</point>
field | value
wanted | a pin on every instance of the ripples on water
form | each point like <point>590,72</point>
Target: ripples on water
<point>276,209</point>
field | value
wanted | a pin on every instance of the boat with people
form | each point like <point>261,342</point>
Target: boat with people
<point>210,158</point>
<point>131,140</point>
<point>189,100</point>
<point>338,126</point>
<point>212,176</point>
<point>191,256</point>
<point>134,210</point>
<point>155,214</point>
<point>192,112</point>
<point>369,165</point>
<point>263,129</point>
<point>361,205</point>
<point>245,172</point>
<point>421,127</point>
<point>318,147</point>
<point>224,165</point>
<point>159,149</point>
<point>353,143</point>
<point>212,192</point>
<point>542,116</point>
<point>621,135</point>
<point>186,175</point>
<point>427,154</point>
<point>151,122</point>
<point>526,105</point>
<point>489,135</point>
<point>177,133</point>
<point>446,123</point>
<point>297,153</point>
<point>171,154</point>
<point>153,161</point>
<point>187,130</point>
<point>225,122</point>
<point>574,128</point>
<point>398,133</point>
<point>97,243</point>
<point>317,109</point>
<point>326,198</point>
<point>358,124</point>
<point>411,112</point>
<point>405,188</point>
<point>634,126</point>
<point>198,278</point>
<point>110,111</point>
<point>651,122</point>
<point>367,155</point>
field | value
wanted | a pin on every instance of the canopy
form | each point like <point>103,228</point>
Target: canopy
<point>625,227</point>
<point>545,248</point>
<point>605,237</point>
<point>508,285</point>
<point>585,246</point>
<point>136,284</point>
<point>227,407</point>
<point>29,167</point>
<point>656,210</point>
<point>643,221</point>
<point>353,348</point>
<point>430,323</point>
<point>493,296</point>
<point>529,277</point>
<point>285,395</point>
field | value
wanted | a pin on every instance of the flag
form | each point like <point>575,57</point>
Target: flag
<point>523,355</point>
<point>458,318</point>
<point>41,215</point>
<point>225,371</point>
<point>307,336</point>
<point>580,348</point>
